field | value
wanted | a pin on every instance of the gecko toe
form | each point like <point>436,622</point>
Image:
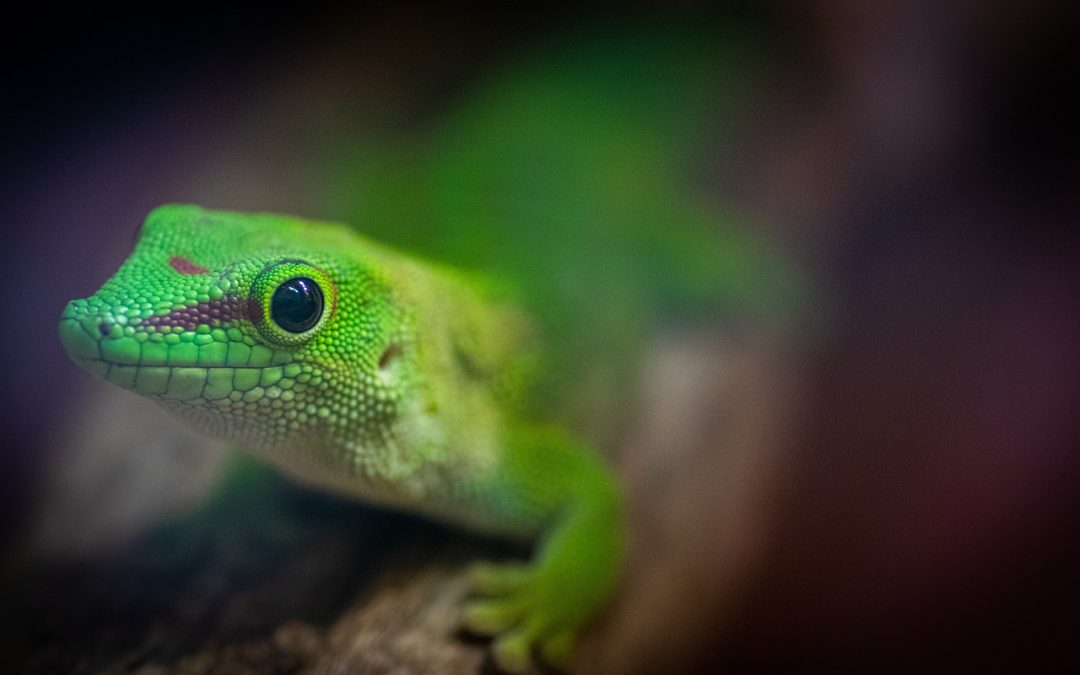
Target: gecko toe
<point>488,579</point>
<point>492,617</point>
<point>556,649</point>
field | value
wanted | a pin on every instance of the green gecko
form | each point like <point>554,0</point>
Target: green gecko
<point>572,178</point>
<point>366,372</point>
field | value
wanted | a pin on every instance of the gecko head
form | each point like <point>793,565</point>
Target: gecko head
<point>246,324</point>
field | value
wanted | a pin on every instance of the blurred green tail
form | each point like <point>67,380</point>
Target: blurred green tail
<point>571,175</point>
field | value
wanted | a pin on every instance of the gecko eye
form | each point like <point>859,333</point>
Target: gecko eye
<point>297,304</point>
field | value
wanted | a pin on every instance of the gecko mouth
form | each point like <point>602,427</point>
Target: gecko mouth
<point>185,368</point>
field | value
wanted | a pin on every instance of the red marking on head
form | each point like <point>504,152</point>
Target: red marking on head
<point>185,266</point>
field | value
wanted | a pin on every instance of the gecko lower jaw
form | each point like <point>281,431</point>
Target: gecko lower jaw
<point>184,374</point>
<point>186,383</point>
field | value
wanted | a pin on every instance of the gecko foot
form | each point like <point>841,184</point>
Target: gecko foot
<point>524,612</point>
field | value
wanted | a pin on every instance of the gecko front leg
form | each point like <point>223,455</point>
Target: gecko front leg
<point>543,605</point>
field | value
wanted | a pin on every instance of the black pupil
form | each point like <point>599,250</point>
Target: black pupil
<point>297,304</point>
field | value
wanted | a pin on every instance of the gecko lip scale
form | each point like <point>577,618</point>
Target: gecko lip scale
<point>182,371</point>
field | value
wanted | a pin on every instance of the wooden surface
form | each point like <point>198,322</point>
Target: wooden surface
<point>313,585</point>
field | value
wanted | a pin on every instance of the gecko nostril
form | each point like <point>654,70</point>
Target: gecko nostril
<point>104,328</point>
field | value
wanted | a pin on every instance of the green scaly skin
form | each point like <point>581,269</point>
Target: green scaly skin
<point>407,392</point>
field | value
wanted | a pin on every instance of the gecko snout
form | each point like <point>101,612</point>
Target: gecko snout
<point>83,327</point>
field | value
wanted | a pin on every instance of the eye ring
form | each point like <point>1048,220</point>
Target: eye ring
<point>290,301</point>
<point>297,304</point>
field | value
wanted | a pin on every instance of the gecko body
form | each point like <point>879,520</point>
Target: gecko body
<point>366,372</point>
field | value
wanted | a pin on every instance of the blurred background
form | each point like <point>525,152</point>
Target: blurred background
<point>877,471</point>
